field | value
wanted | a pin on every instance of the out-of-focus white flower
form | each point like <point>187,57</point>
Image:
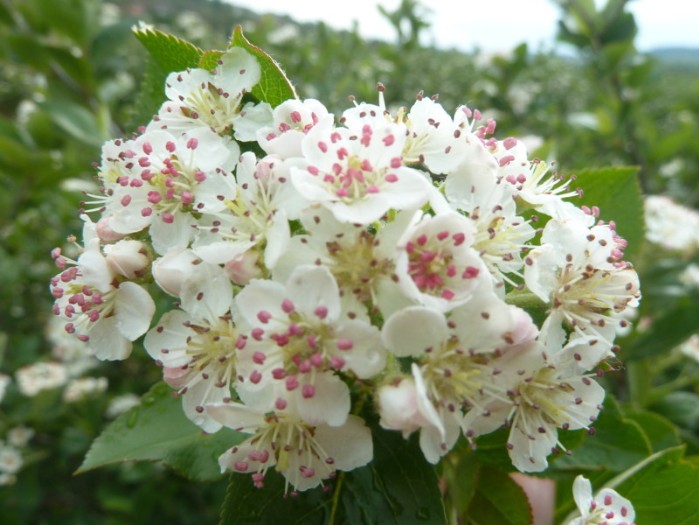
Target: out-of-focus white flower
<point>32,379</point>
<point>690,276</point>
<point>690,347</point>
<point>607,507</point>
<point>671,225</point>
<point>10,459</point>
<point>83,387</point>
<point>19,436</point>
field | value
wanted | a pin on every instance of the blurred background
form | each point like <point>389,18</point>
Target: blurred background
<point>577,78</point>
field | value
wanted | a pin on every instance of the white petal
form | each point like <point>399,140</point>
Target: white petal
<point>107,342</point>
<point>330,404</point>
<point>349,445</point>
<point>134,309</point>
<point>236,416</point>
<point>413,330</point>
<point>313,286</point>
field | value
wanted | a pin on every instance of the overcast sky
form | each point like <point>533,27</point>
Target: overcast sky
<point>492,25</point>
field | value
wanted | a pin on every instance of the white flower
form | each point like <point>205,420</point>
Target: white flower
<point>671,225</point>
<point>293,119</point>
<point>578,272</point>
<point>606,508</point>
<point>198,356</point>
<point>200,98</point>
<point>501,235</point>
<point>304,454</point>
<point>32,379</point>
<point>359,177</point>
<point>256,214</point>
<point>83,387</point>
<point>362,261</point>
<point>10,460</point>
<point>454,369</point>
<point>690,347</point>
<point>98,308</point>
<point>690,276</point>
<point>436,264</point>
<point>545,395</point>
<point>162,182</point>
<point>19,436</point>
<point>299,336</point>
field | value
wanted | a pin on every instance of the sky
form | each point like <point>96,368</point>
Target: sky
<point>491,25</point>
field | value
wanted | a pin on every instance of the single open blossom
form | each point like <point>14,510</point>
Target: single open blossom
<point>607,507</point>
<point>578,271</point>
<point>96,306</point>
<point>361,261</point>
<point>198,356</point>
<point>214,99</point>
<point>299,337</point>
<point>359,177</point>
<point>292,120</point>
<point>162,182</point>
<point>501,236</point>
<point>256,215</point>
<point>304,454</point>
<point>544,394</point>
<point>454,369</point>
<point>436,264</point>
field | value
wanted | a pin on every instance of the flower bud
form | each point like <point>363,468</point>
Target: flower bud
<point>243,268</point>
<point>127,258</point>
<point>105,232</point>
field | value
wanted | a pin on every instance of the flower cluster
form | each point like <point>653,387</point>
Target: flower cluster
<point>323,266</point>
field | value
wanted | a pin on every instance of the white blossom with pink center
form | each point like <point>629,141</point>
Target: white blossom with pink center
<point>214,99</point>
<point>303,453</point>
<point>163,182</point>
<point>432,137</point>
<point>607,507</point>
<point>256,214</point>
<point>436,263</point>
<point>198,357</point>
<point>293,119</point>
<point>299,336</point>
<point>359,176</point>
<point>579,272</point>
<point>99,307</point>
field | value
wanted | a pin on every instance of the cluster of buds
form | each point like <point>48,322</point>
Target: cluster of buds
<point>378,260</point>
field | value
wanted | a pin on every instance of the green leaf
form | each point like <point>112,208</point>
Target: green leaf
<point>397,487</point>
<point>167,53</point>
<point>669,329</point>
<point>158,430</point>
<point>617,444</point>
<point>680,407</point>
<point>274,87</point>
<point>75,120</point>
<point>664,490</point>
<point>661,433</point>
<point>617,193</point>
<point>499,500</point>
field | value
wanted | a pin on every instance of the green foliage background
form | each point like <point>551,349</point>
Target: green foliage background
<point>69,71</point>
